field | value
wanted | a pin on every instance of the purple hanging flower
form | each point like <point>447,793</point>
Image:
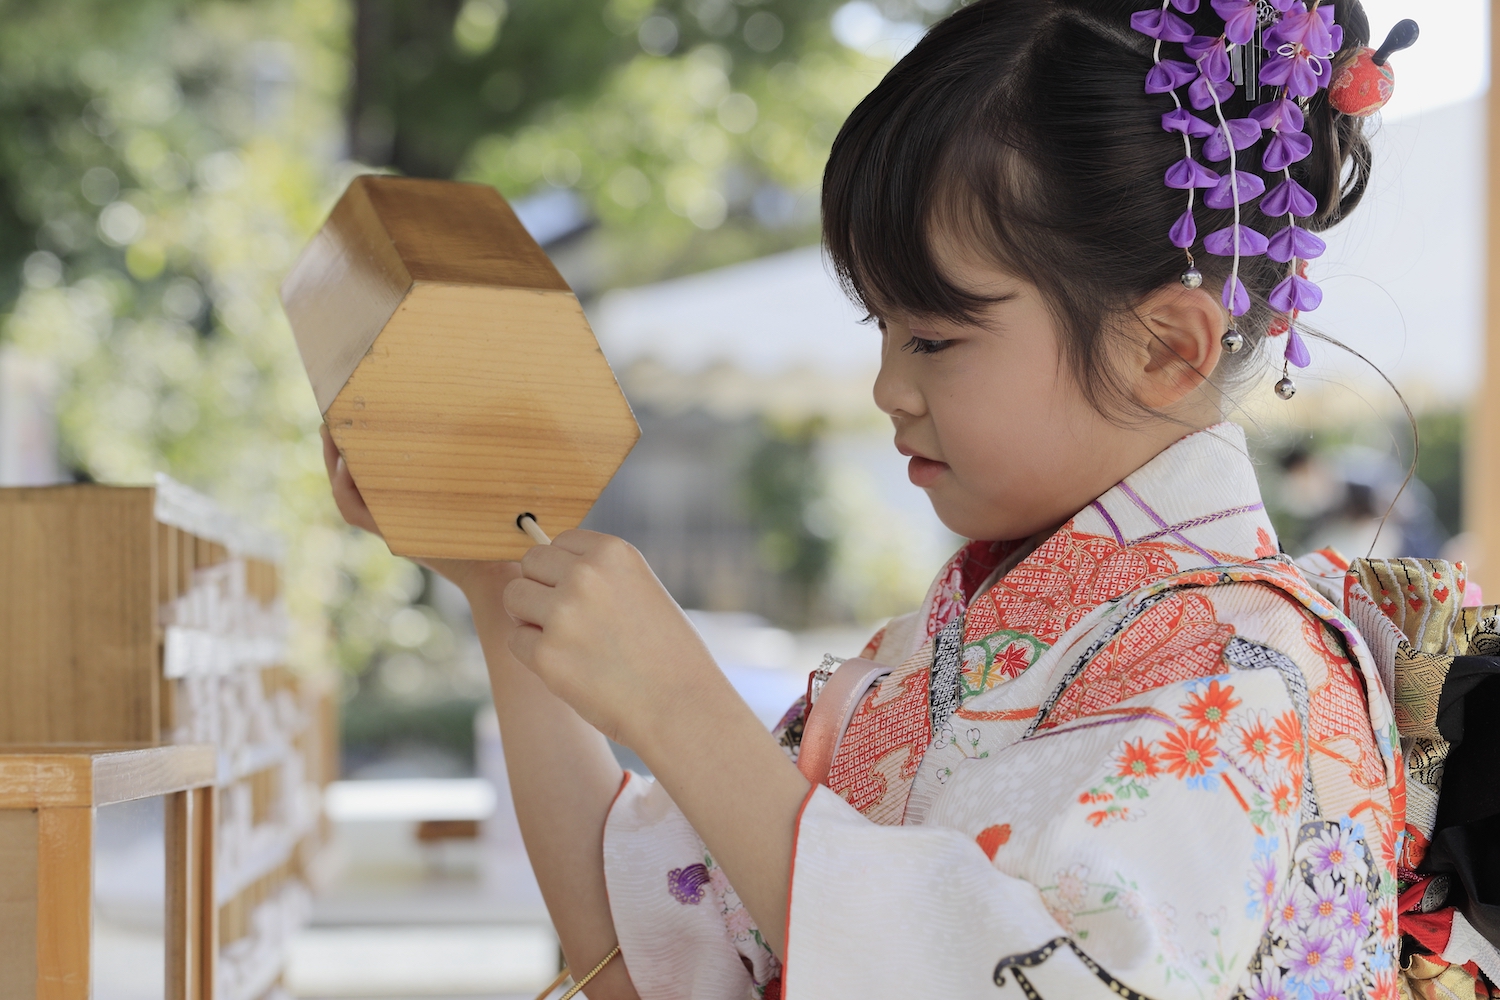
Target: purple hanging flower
<point>1280,115</point>
<point>1296,350</point>
<point>1296,293</point>
<point>1244,131</point>
<point>1169,74</point>
<point>1221,242</point>
<point>1201,97</point>
<point>1290,198</point>
<point>1161,24</point>
<point>1182,120</point>
<point>1294,242</point>
<point>1236,299</point>
<point>1186,6</point>
<point>1212,58</point>
<point>1185,231</point>
<point>687,884</point>
<point>1199,44</point>
<point>1221,195</point>
<point>1301,73</point>
<point>1189,173</point>
<point>1240,18</point>
<point>1284,149</point>
<point>1313,31</point>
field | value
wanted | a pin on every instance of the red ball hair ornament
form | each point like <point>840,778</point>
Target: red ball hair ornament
<point>1367,84</point>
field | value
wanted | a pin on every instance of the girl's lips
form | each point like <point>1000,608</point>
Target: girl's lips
<point>924,472</point>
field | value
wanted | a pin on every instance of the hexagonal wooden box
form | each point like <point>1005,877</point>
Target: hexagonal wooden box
<point>455,368</point>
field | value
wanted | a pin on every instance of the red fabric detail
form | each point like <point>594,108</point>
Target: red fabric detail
<point>1430,930</point>
<point>886,725</point>
<point>872,648</point>
<point>1339,710</point>
<point>992,838</point>
<point>1265,548</point>
<point>1362,88</point>
<point>1068,576</point>
<point>1176,639</point>
<point>772,990</point>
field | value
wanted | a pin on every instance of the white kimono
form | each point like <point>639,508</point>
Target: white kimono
<point>1158,763</point>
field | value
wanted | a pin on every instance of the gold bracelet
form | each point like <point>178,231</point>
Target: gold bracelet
<point>580,984</point>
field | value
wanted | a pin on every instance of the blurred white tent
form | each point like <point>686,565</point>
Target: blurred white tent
<point>1403,279</point>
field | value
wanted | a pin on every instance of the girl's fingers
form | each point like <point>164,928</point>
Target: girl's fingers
<point>345,493</point>
<point>578,541</point>
<point>528,601</point>
<point>523,642</point>
<point>547,564</point>
<point>330,451</point>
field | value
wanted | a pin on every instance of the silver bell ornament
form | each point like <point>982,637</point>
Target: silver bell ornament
<point>1232,341</point>
<point>1192,278</point>
<point>1286,388</point>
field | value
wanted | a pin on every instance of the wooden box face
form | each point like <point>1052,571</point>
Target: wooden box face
<point>78,615</point>
<point>454,368</point>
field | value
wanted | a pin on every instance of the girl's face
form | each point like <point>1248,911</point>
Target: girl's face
<point>997,429</point>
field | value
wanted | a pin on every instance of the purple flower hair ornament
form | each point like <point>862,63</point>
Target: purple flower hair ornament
<point>1205,93</point>
<point>1184,121</point>
<point>1289,198</point>
<point>1186,174</point>
<point>1169,74</point>
<point>1296,351</point>
<point>1295,293</point>
<point>1245,132</point>
<point>1295,243</point>
<point>1162,25</point>
<point>1286,148</point>
<point>1185,231</point>
<point>1282,114</point>
<point>1223,243</point>
<point>1241,17</point>
<point>1247,186</point>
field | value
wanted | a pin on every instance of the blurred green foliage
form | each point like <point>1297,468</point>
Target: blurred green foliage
<point>784,493</point>
<point>163,161</point>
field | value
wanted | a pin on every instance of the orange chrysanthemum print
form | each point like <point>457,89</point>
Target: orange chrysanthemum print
<point>1283,800</point>
<point>1289,739</point>
<point>1210,709</point>
<point>1137,761</point>
<point>1255,741</point>
<point>1188,753</point>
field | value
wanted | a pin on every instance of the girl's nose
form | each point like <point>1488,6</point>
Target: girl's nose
<point>895,392</point>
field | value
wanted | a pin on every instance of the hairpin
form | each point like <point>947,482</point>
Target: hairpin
<point>1282,44</point>
<point>1368,82</point>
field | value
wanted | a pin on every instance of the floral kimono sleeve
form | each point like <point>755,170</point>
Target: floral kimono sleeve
<point>683,931</point>
<point>1136,851</point>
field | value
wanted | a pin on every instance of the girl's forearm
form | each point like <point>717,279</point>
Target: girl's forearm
<point>737,788</point>
<point>563,779</point>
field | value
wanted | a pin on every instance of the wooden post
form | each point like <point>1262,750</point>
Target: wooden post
<point>1482,481</point>
<point>65,891</point>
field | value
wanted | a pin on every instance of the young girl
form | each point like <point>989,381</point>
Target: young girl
<point>1124,748</point>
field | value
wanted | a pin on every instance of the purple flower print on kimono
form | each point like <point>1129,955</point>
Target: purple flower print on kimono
<point>686,885</point>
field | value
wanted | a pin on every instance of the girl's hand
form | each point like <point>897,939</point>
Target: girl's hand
<point>466,574</point>
<point>599,629</point>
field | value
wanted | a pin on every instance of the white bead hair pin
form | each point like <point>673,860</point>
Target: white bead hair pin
<point>527,523</point>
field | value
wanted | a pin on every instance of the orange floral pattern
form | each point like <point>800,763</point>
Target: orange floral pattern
<point>1177,638</point>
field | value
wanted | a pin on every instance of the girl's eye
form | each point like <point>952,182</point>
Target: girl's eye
<point>917,345</point>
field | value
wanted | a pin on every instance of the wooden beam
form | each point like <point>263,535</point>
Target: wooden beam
<point>1482,478</point>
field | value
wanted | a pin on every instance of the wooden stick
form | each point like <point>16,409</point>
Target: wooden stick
<point>527,523</point>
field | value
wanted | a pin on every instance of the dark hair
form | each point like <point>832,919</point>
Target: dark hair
<point>1022,127</point>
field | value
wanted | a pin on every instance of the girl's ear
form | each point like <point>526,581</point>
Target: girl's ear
<point>1181,343</point>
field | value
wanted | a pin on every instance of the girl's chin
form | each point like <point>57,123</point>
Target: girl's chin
<point>924,472</point>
